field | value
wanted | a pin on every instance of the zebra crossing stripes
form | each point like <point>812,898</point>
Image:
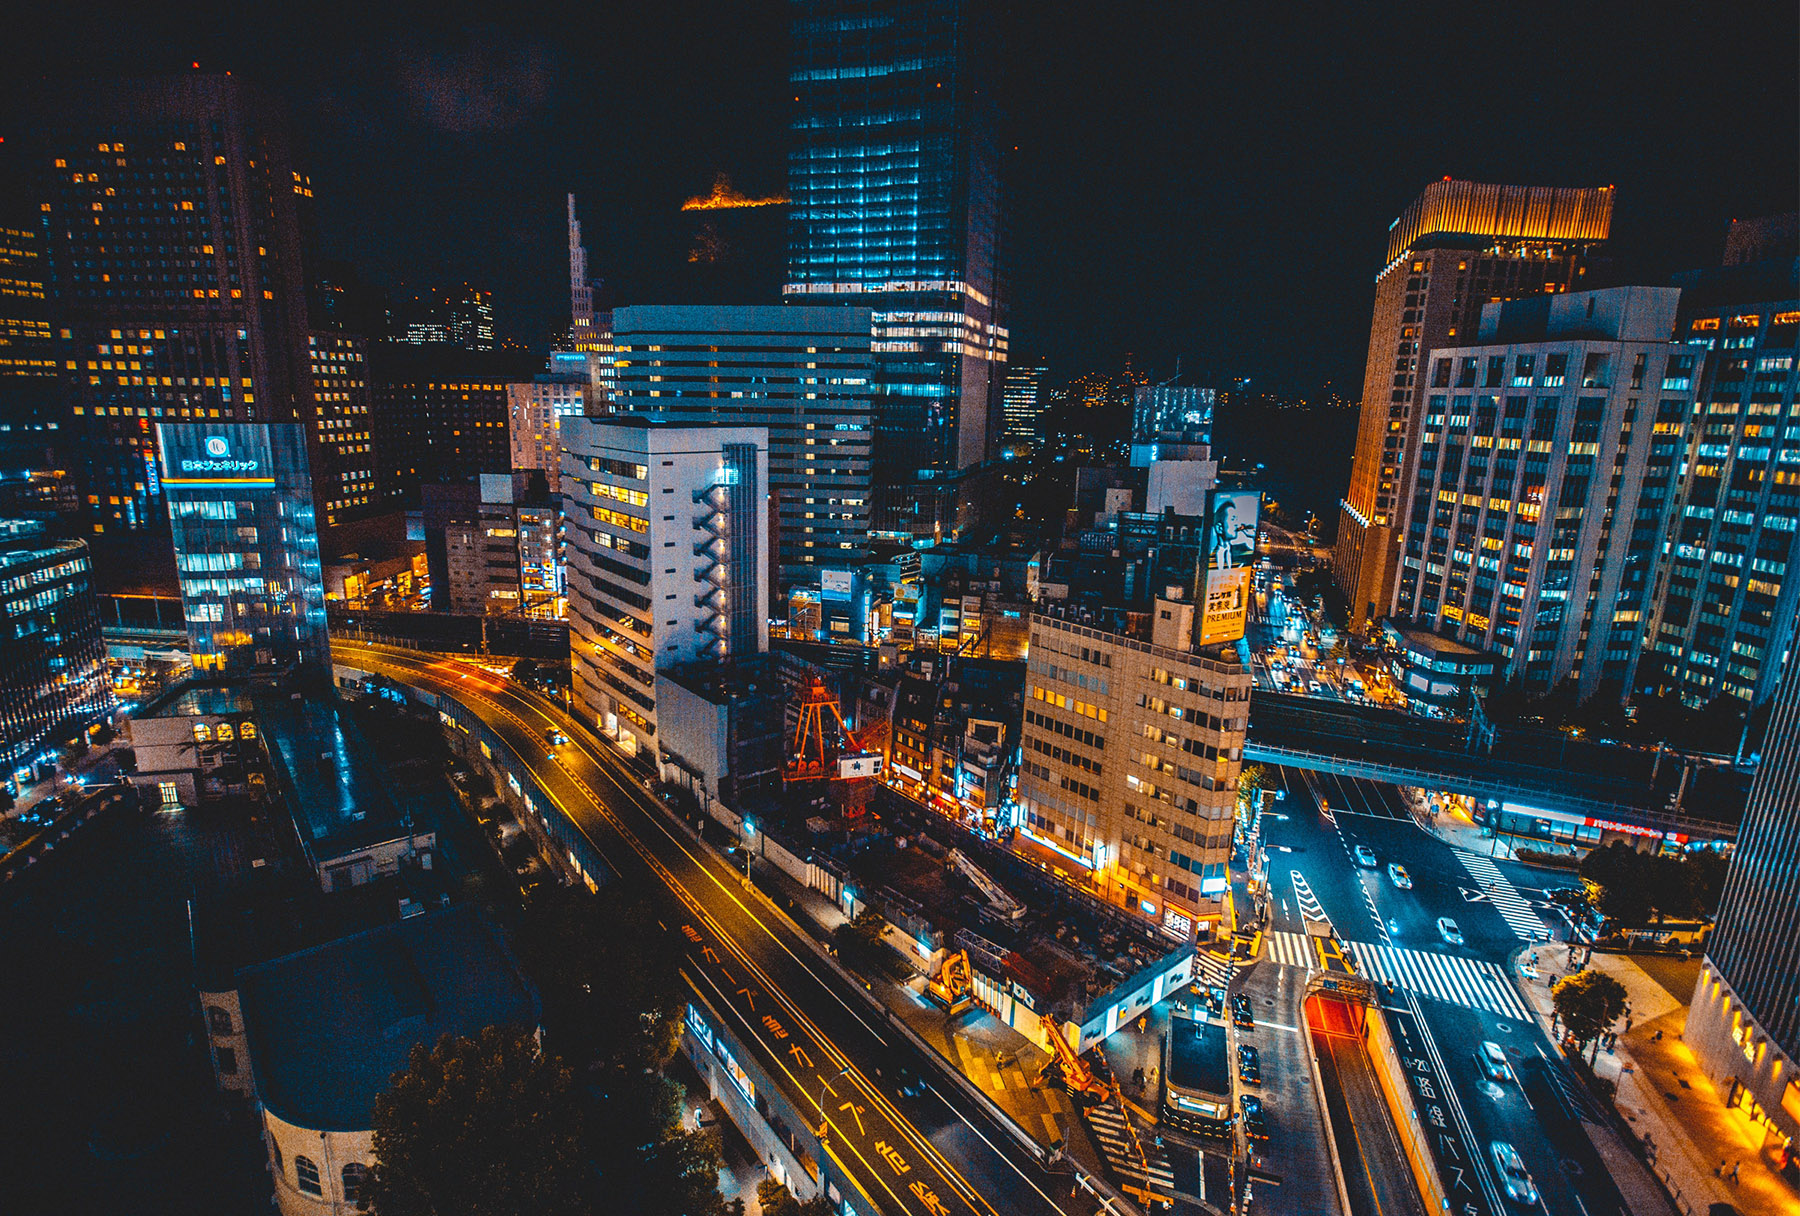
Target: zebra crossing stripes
<point>1472,983</point>
<point>1108,1126</point>
<point>1291,949</point>
<point>1212,971</point>
<point>1506,899</point>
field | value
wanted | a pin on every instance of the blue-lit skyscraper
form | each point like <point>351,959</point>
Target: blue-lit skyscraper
<point>893,176</point>
<point>246,546</point>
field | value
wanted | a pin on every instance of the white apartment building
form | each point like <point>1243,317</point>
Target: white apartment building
<point>667,534</point>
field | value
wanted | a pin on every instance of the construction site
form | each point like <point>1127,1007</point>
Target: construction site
<point>977,943</point>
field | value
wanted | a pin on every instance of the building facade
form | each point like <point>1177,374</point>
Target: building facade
<point>802,373</point>
<point>1743,1024</point>
<point>590,327</point>
<point>534,414</point>
<point>1022,401</point>
<point>1458,247</point>
<point>53,680</point>
<point>246,546</point>
<point>491,545</point>
<point>1129,769</point>
<point>667,560</point>
<point>893,177</point>
<point>343,440</point>
<point>175,222</point>
<point>1723,609</point>
<point>1545,473</point>
<point>440,414</point>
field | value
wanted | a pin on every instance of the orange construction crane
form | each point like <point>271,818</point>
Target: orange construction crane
<point>820,736</point>
<point>1076,1075</point>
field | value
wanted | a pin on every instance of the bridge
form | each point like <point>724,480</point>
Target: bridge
<point>1539,769</point>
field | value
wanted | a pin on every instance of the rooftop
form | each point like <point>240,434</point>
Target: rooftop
<point>334,782</point>
<point>197,701</point>
<point>329,1026</point>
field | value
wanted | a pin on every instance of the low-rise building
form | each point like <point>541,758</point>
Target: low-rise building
<point>327,1028</point>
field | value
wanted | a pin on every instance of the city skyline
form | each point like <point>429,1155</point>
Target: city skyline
<point>1283,190</point>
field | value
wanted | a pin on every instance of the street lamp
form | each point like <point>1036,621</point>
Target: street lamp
<point>749,835</point>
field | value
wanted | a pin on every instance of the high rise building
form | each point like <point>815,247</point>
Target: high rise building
<point>460,316</point>
<point>1171,436</point>
<point>1743,1025</point>
<point>344,477</point>
<point>1129,770</point>
<point>535,410</point>
<point>174,220</point>
<point>1022,400</point>
<point>802,373</point>
<point>668,559</point>
<point>52,661</point>
<point>1544,475</point>
<point>33,474</point>
<point>1457,247</point>
<point>1727,592</point>
<point>893,176</point>
<point>590,328</point>
<point>440,414</point>
<point>246,546</point>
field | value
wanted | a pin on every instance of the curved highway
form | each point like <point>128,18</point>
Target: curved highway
<point>832,1055</point>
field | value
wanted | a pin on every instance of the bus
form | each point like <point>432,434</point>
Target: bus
<point>1196,1065</point>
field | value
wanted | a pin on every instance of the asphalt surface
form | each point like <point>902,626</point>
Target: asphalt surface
<point>1448,998</point>
<point>831,1054</point>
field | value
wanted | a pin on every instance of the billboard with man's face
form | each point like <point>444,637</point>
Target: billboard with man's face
<point>1231,529</point>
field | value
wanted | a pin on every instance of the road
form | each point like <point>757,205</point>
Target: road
<point>1447,998</point>
<point>921,1156</point>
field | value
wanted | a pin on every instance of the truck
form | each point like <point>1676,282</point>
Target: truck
<point>1196,1065</point>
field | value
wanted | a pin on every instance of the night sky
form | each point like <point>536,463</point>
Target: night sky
<point>1211,182</point>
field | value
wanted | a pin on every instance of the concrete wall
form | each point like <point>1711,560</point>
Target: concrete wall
<point>223,1020</point>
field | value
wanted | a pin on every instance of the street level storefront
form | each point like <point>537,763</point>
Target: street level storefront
<point>1750,1071</point>
<point>1520,822</point>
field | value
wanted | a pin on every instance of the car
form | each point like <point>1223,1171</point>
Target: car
<point>1492,1058</point>
<point>1399,877</point>
<point>1249,1065</point>
<point>1312,686</point>
<point>1241,1015</point>
<point>1513,1179</point>
<point>1365,856</point>
<point>1256,1124</point>
<point>1448,931</point>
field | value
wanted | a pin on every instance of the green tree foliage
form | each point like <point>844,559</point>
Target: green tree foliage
<point>777,1200</point>
<point>1588,1003</point>
<point>608,974</point>
<point>1631,888</point>
<point>488,1126</point>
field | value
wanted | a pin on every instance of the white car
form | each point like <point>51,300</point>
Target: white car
<point>1448,931</point>
<point>1399,877</point>
<point>1365,856</point>
<point>1513,1178</point>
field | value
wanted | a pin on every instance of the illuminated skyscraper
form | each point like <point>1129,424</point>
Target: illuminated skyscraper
<point>246,546</point>
<point>1023,401</point>
<point>1460,245</point>
<point>590,330</point>
<point>173,217</point>
<point>52,660</point>
<point>893,176</point>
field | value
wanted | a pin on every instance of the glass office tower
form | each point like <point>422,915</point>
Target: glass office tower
<point>246,546</point>
<point>52,661</point>
<point>893,176</point>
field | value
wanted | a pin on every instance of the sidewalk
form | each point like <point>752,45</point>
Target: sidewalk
<point>1681,1120</point>
<point>1684,1122</point>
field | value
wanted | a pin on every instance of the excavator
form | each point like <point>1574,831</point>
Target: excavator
<point>953,986</point>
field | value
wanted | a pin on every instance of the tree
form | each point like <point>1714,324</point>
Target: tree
<point>488,1126</point>
<point>608,974</point>
<point>525,671</point>
<point>777,1200</point>
<point>1619,880</point>
<point>1704,871</point>
<point>1588,1002</point>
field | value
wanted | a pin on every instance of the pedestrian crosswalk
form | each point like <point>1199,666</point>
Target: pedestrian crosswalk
<point>1212,970</point>
<point>1472,983</point>
<point>1507,900</point>
<point>1292,949</point>
<point>1107,1123</point>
